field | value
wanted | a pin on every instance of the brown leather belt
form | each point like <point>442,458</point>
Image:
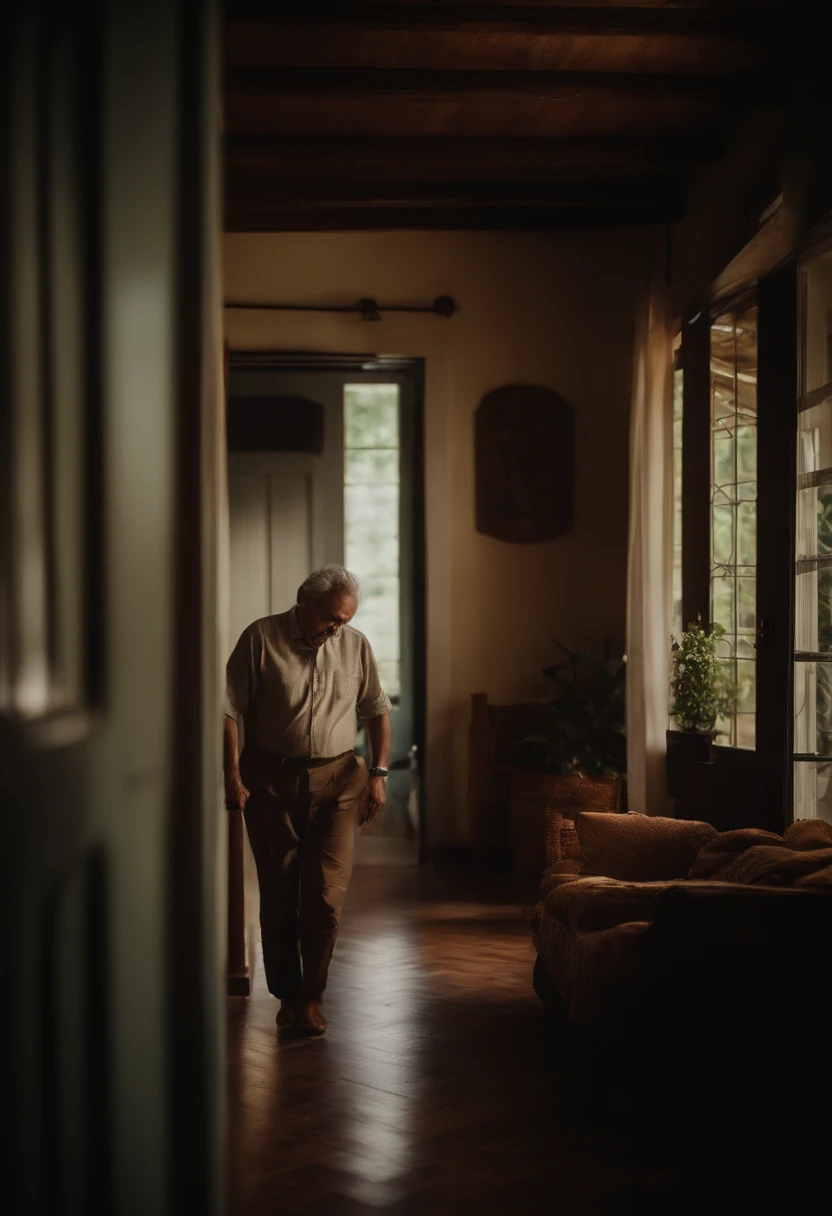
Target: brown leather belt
<point>301,762</point>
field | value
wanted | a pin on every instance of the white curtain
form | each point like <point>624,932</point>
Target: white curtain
<point>650,552</point>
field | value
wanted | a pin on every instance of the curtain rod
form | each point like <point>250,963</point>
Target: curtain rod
<point>367,308</point>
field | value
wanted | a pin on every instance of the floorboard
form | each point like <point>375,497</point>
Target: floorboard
<point>439,1087</point>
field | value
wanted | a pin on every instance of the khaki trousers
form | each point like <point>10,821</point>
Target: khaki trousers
<point>301,822</point>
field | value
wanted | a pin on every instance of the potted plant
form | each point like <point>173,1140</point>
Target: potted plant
<point>702,693</point>
<point>574,753</point>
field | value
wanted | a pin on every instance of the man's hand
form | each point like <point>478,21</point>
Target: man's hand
<point>375,799</point>
<point>236,794</point>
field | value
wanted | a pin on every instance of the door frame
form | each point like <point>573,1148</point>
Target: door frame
<point>409,374</point>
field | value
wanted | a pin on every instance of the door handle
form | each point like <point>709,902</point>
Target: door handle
<point>764,634</point>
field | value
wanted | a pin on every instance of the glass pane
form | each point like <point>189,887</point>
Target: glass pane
<point>747,533</point>
<point>813,708</point>
<point>723,398</point>
<point>813,546</point>
<point>371,416</point>
<point>747,461</point>
<point>746,690</point>
<point>378,615</point>
<point>746,601</point>
<point>813,610</point>
<point>813,540</point>
<point>371,519</point>
<point>724,460</point>
<point>724,522</point>
<point>371,466</point>
<point>823,497</point>
<point>746,729</point>
<point>734,510</point>
<point>813,593</point>
<point>814,444</point>
<point>812,790</point>
<point>723,612</point>
<point>389,671</point>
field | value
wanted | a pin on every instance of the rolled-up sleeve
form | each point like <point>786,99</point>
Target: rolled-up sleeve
<point>239,677</point>
<point>373,701</point>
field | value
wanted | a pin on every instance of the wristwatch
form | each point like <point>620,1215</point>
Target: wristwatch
<point>378,772</point>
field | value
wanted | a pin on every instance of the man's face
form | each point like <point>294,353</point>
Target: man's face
<point>321,618</point>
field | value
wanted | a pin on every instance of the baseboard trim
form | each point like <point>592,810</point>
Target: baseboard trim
<point>239,984</point>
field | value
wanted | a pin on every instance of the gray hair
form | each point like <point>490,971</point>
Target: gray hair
<point>327,579</point>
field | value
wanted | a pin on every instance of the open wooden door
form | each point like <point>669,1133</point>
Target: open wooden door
<point>109,690</point>
<point>740,369</point>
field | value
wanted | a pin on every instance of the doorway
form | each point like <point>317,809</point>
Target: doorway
<point>325,466</point>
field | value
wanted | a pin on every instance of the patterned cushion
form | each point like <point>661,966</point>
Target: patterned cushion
<point>808,834</point>
<point>724,848</point>
<point>640,848</point>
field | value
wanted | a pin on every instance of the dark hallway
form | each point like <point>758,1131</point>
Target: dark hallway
<point>439,1087</point>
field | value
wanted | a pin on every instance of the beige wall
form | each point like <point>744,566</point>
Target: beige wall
<point>551,309</point>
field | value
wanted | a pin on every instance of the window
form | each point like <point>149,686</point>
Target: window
<point>678,387</point>
<point>813,549</point>
<point>733,384</point>
<point>372,488</point>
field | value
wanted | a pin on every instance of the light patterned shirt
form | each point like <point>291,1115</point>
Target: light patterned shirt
<point>296,700</point>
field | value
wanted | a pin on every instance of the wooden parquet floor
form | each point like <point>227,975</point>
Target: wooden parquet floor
<point>439,1087</point>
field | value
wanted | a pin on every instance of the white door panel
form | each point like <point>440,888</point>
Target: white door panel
<point>291,531</point>
<point>249,548</point>
<point>279,531</point>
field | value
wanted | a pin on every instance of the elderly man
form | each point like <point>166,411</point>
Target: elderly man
<point>300,680</point>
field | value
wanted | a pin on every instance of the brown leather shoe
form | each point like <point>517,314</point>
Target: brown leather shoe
<point>287,1015</point>
<point>312,1021</point>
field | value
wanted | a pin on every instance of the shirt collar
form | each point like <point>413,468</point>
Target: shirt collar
<point>295,631</point>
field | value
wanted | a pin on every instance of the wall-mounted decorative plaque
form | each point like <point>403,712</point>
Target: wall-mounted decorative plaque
<point>524,464</point>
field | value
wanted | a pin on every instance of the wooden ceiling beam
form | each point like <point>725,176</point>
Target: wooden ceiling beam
<point>369,155</point>
<point>754,22</point>
<point>361,195</point>
<point>302,219</point>
<point>275,84</point>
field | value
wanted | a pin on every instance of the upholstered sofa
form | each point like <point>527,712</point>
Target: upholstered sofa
<point>659,922</point>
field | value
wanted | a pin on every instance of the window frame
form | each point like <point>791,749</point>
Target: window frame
<point>811,253</point>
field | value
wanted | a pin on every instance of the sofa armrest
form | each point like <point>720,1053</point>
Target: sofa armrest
<point>736,962</point>
<point>592,904</point>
